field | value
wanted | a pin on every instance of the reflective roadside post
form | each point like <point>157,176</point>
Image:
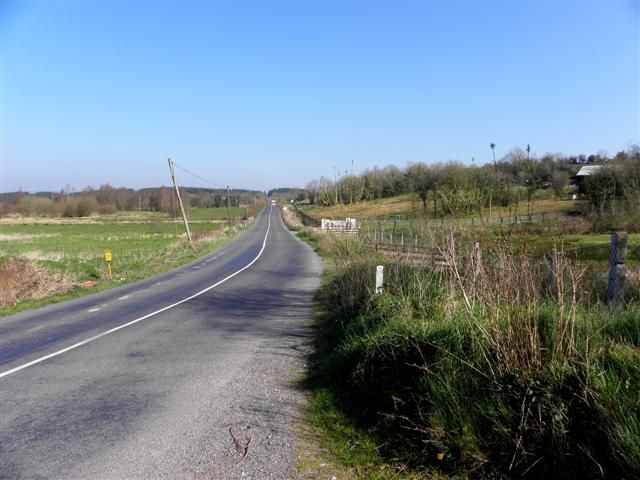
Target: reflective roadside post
<point>107,258</point>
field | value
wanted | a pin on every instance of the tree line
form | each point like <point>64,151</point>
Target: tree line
<point>109,200</point>
<point>457,188</point>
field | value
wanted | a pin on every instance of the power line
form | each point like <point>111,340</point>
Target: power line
<point>199,177</point>
<point>197,182</point>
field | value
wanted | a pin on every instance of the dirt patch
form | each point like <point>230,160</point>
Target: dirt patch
<point>21,280</point>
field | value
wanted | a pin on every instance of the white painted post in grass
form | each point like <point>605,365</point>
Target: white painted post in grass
<point>379,279</point>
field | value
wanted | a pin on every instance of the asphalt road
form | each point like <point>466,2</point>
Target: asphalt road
<point>203,389</point>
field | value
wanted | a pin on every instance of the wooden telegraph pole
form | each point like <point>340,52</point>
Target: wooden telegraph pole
<point>229,209</point>
<point>184,216</point>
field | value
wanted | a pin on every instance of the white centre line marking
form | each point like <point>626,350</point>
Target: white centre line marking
<point>124,297</point>
<point>148,315</point>
<point>94,310</point>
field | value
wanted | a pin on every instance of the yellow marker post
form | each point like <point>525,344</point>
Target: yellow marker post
<point>107,258</point>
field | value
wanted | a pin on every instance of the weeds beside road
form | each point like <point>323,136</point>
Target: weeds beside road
<point>511,366</point>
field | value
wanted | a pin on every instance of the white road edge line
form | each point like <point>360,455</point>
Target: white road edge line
<point>148,315</point>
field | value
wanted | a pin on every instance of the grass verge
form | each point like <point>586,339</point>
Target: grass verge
<point>505,368</point>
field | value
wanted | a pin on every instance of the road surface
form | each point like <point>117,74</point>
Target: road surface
<point>115,386</point>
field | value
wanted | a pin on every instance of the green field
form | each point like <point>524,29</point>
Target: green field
<point>586,248</point>
<point>203,214</point>
<point>142,244</point>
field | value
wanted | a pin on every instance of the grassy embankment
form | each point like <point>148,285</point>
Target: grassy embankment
<point>410,205</point>
<point>512,368</point>
<point>45,260</point>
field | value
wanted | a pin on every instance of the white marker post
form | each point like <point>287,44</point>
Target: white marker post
<point>379,279</point>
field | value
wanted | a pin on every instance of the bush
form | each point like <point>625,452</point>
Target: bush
<point>37,207</point>
<point>70,208</point>
<point>108,209</point>
<point>86,206</point>
<point>80,207</point>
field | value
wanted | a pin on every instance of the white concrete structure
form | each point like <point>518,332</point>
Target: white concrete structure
<point>348,224</point>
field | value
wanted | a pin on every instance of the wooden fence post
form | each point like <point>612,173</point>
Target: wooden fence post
<point>476,260</point>
<point>618,272</point>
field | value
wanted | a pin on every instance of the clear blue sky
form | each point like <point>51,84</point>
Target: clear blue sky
<point>267,94</point>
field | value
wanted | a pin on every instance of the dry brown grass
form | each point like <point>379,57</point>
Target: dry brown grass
<point>203,237</point>
<point>21,280</point>
<point>402,205</point>
<point>16,219</point>
<point>291,217</point>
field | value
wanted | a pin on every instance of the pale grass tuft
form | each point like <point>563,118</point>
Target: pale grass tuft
<point>21,237</point>
<point>38,255</point>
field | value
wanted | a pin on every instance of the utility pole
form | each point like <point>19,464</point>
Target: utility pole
<point>352,185</point>
<point>335,184</point>
<point>184,216</point>
<point>229,209</point>
<point>493,149</point>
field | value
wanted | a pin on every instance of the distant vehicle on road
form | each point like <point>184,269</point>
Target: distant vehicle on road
<point>273,202</point>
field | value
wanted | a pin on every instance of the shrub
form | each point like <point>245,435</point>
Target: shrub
<point>79,207</point>
<point>86,206</point>
<point>107,209</point>
<point>70,208</point>
<point>37,207</point>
